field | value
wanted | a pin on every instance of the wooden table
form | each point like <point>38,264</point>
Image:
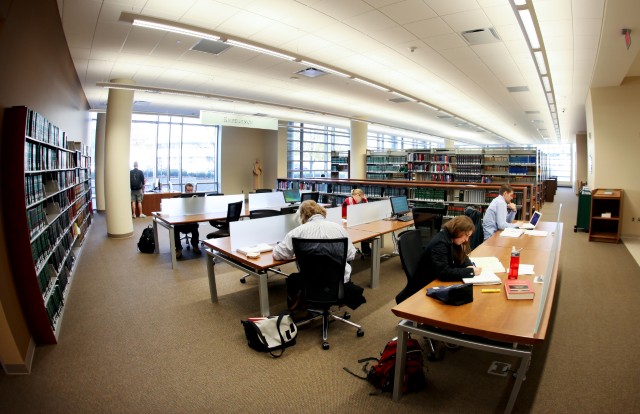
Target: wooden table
<point>491,322</point>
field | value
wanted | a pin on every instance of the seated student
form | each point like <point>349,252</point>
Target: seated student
<point>314,226</point>
<point>187,228</point>
<point>357,197</point>
<point>500,213</point>
<point>446,256</point>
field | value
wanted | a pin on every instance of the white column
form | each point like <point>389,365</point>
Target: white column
<point>99,161</point>
<point>116,166</point>
<point>359,130</point>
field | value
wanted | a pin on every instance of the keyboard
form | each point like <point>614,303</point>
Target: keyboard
<point>405,218</point>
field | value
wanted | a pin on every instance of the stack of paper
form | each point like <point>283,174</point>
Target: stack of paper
<point>256,248</point>
<point>537,233</point>
<point>511,232</point>
<point>484,278</point>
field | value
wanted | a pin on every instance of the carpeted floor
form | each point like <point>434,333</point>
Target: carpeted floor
<point>139,337</point>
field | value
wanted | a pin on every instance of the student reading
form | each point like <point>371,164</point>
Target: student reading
<point>446,257</point>
<point>500,213</point>
<point>314,226</point>
<point>357,197</point>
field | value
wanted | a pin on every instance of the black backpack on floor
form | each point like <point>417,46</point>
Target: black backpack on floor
<point>147,243</point>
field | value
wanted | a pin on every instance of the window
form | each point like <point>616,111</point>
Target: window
<point>309,149</point>
<point>559,162</point>
<point>377,141</point>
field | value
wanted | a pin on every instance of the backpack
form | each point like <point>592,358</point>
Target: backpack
<point>147,243</point>
<point>135,179</point>
<point>381,373</point>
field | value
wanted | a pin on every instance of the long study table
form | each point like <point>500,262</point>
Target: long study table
<point>491,322</point>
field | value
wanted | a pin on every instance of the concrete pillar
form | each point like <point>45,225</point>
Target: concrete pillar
<point>99,161</point>
<point>282,150</point>
<point>359,130</point>
<point>116,166</point>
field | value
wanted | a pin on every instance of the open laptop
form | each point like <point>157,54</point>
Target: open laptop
<point>535,219</point>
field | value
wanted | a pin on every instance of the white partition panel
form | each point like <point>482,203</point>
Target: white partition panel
<point>334,214</point>
<point>216,204</point>
<point>367,212</point>
<point>266,200</point>
<point>264,230</point>
<point>198,205</point>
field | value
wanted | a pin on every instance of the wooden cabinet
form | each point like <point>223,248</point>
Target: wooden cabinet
<point>606,215</point>
<point>46,213</point>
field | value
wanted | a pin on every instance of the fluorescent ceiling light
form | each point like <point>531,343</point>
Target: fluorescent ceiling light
<point>404,96</point>
<point>427,105</point>
<point>542,68</point>
<point>174,29</point>
<point>546,83</point>
<point>529,28</point>
<point>373,85</point>
<point>549,97</point>
<point>259,49</point>
<point>324,68</point>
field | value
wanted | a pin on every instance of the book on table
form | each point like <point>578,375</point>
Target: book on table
<point>485,278</point>
<point>518,289</point>
<point>256,248</point>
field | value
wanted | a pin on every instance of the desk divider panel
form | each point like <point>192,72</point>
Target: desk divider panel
<point>334,214</point>
<point>199,205</point>
<point>273,200</point>
<point>264,230</point>
<point>367,212</point>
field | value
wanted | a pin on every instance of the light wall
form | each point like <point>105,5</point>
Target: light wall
<point>613,144</point>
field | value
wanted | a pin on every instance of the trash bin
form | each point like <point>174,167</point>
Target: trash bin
<point>584,210</point>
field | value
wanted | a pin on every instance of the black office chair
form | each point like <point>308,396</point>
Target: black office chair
<point>477,237</point>
<point>428,219</point>
<point>233,214</point>
<point>264,190</point>
<point>315,196</point>
<point>321,263</point>
<point>260,213</point>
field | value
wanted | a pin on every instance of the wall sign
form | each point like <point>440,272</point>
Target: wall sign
<point>238,120</point>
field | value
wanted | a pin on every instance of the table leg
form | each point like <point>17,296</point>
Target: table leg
<point>172,247</point>
<point>525,360</point>
<point>401,356</point>
<point>375,262</point>
<point>211,274</point>
<point>263,291</point>
<point>155,236</point>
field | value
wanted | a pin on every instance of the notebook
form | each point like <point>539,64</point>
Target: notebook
<point>256,248</point>
<point>533,222</point>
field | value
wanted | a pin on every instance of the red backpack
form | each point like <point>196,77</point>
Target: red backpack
<point>381,373</point>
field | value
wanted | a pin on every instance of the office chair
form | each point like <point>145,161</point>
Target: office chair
<point>428,218</point>
<point>310,196</point>
<point>264,190</point>
<point>477,237</point>
<point>260,213</point>
<point>213,194</point>
<point>321,263</point>
<point>410,249</point>
<point>233,214</point>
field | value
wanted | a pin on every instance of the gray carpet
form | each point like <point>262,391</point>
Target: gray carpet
<point>139,337</point>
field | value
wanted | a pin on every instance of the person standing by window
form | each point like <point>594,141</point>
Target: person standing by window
<point>357,197</point>
<point>136,183</point>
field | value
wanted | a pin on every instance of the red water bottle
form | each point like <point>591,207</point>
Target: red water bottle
<point>514,263</point>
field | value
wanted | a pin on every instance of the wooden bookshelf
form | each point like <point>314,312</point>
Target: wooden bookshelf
<point>340,164</point>
<point>606,215</point>
<point>46,217</point>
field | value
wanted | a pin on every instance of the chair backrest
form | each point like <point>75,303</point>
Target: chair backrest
<point>264,190</point>
<point>315,196</point>
<point>426,216</point>
<point>234,210</point>
<point>410,249</point>
<point>256,214</point>
<point>213,194</point>
<point>321,263</point>
<point>477,237</point>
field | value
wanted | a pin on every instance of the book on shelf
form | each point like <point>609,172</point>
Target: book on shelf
<point>518,289</point>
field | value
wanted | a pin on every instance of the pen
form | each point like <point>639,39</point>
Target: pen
<point>490,291</point>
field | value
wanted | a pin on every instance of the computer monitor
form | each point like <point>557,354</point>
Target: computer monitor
<point>292,196</point>
<point>399,205</point>
<point>314,195</point>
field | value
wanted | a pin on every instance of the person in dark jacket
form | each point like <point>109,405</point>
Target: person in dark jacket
<point>446,257</point>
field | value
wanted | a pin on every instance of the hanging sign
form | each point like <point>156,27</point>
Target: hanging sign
<point>237,120</point>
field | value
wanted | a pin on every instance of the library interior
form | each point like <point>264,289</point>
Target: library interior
<point>424,109</point>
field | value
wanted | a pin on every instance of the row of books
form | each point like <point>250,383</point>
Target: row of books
<point>385,168</point>
<point>36,219</point>
<point>522,159</point>
<point>467,159</point>
<point>39,127</point>
<point>39,157</point>
<point>43,244</point>
<point>429,194</point>
<point>54,305</point>
<point>468,169</point>
<point>519,170</point>
<point>339,160</point>
<point>438,177</point>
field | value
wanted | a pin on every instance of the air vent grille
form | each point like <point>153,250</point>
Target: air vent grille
<point>481,36</point>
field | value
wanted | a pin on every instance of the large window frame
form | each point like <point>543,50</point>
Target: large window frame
<point>309,149</point>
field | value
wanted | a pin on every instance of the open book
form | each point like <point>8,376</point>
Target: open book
<point>484,278</point>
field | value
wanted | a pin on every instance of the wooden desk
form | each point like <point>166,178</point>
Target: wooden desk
<point>491,322</point>
<point>530,242</point>
<point>151,201</point>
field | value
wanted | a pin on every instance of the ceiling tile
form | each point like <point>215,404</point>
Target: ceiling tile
<point>467,20</point>
<point>408,11</point>
<point>443,7</point>
<point>424,29</point>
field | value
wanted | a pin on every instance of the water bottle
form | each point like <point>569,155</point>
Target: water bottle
<point>514,263</point>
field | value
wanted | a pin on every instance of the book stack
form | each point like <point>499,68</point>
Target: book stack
<point>518,289</point>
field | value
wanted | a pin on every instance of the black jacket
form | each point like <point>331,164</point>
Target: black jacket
<point>437,261</point>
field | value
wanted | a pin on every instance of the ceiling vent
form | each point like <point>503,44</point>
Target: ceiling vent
<point>518,88</point>
<point>445,116</point>
<point>210,46</point>
<point>311,72</point>
<point>481,36</point>
<point>399,100</point>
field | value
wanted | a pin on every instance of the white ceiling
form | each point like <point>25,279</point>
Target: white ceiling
<point>413,47</point>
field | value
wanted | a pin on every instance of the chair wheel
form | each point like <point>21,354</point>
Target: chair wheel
<point>325,345</point>
<point>243,280</point>
<point>360,333</point>
<point>346,315</point>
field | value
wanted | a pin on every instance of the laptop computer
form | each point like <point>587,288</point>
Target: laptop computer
<point>535,219</point>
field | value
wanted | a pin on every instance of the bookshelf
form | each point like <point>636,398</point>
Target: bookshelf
<point>606,215</point>
<point>340,164</point>
<point>386,165</point>
<point>46,217</point>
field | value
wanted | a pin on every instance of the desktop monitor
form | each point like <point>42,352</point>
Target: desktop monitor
<point>291,196</point>
<point>314,195</point>
<point>399,205</point>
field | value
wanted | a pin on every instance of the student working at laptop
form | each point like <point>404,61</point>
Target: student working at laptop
<point>500,213</point>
